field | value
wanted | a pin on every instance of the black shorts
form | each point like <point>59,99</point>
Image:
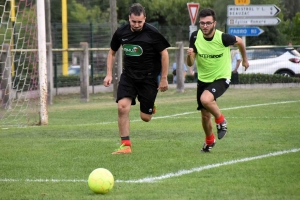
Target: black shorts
<point>217,88</point>
<point>145,90</point>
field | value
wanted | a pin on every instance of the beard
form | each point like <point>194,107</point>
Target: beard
<point>208,32</point>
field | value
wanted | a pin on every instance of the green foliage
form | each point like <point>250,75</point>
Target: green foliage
<point>265,79</point>
<point>295,32</point>
<point>71,81</point>
<point>289,8</point>
<point>174,13</point>
<point>171,17</point>
<point>80,13</point>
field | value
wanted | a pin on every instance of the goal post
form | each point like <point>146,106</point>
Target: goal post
<point>42,61</point>
<point>23,63</point>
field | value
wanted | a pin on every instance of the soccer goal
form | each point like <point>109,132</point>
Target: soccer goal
<point>23,74</point>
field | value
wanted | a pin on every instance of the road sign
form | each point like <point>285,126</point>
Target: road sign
<point>193,11</point>
<point>252,11</point>
<point>245,31</point>
<point>241,2</point>
<point>268,21</point>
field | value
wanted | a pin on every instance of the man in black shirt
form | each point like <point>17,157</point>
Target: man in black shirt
<point>145,57</point>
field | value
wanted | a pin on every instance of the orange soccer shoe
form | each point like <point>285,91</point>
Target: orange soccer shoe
<point>122,150</point>
<point>154,109</point>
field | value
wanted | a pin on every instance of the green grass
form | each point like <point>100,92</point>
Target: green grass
<point>81,136</point>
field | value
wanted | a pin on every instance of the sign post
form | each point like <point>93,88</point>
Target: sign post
<point>268,21</point>
<point>242,2</point>
<point>193,9</point>
<point>252,11</point>
<point>242,14</point>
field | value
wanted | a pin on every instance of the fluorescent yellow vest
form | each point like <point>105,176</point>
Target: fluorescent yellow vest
<point>213,58</point>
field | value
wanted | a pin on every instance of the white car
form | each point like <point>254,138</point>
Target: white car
<point>272,60</point>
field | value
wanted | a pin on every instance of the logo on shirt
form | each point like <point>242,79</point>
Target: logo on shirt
<point>210,56</point>
<point>132,50</point>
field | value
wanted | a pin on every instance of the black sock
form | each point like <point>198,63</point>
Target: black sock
<point>125,138</point>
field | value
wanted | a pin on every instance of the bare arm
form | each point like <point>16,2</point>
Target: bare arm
<point>163,85</point>
<point>109,64</point>
<point>242,49</point>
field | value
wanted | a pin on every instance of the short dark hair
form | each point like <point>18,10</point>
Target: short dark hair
<point>207,12</point>
<point>137,9</point>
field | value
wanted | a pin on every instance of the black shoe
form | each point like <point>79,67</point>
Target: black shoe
<point>207,148</point>
<point>222,129</point>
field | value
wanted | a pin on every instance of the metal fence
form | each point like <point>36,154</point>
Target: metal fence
<point>99,36</point>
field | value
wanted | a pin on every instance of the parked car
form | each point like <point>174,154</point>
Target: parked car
<point>272,60</point>
<point>75,70</point>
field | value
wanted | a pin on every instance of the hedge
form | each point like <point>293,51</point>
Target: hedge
<point>73,80</point>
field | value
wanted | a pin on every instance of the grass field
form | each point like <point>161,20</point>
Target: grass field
<point>258,159</point>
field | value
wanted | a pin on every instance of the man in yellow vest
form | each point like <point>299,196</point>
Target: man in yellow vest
<point>211,50</point>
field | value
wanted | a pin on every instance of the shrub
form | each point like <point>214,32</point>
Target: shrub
<point>71,81</point>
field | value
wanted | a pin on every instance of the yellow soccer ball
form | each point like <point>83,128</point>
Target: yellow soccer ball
<point>101,181</point>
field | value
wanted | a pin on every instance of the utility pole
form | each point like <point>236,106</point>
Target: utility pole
<point>65,45</point>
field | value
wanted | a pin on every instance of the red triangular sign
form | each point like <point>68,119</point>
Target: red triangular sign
<point>193,11</point>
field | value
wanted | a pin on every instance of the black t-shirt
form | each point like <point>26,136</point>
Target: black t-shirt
<point>227,39</point>
<point>141,50</point>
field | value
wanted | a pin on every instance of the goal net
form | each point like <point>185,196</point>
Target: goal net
<point>20,63</point>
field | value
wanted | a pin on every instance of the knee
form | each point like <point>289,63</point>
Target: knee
<point>206,99</point>
<point>123,109</point>
<point>146,117</point>
<point>203,100</point>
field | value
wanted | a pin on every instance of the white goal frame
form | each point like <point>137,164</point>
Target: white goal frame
<point>42,62</point>
<point>23,57</point>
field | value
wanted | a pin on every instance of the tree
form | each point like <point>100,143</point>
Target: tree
<point>78,12</point>
<point>290,8</point>
<point>295,32</point>
<point>172,17</point>
<point>171,12</point>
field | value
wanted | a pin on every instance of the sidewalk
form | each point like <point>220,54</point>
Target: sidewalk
<point>102,88</point>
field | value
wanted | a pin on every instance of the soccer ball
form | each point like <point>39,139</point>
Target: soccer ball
<point>101,181</point>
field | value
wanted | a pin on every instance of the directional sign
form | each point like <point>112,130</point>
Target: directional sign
<point>253,21</point>
<point>193,11</point>
<point>241,2</point>
<point>252,11</point>
<point>245,31</point>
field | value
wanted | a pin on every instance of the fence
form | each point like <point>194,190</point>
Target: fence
<point>87,82</point>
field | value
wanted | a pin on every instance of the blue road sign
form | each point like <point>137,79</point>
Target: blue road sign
<point>245,31</point>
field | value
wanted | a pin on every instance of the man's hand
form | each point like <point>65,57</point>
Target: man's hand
<point>163,84</point>
<point>190,57</point>
<point>107,81</point>
<point>245,64</point>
